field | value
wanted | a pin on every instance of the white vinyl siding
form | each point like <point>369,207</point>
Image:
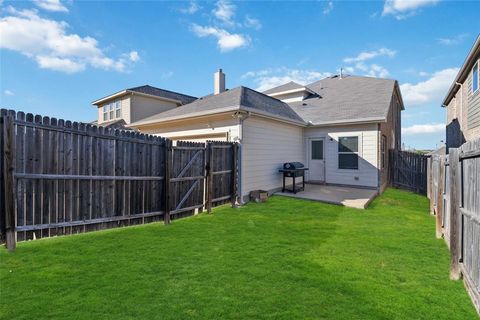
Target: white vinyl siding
<point>473,117</point>
<point>224,128</point>
<point>367,173</point>
<point>266,145</point>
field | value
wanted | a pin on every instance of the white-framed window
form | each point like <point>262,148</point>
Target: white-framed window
<point>475,78</point>
<point>105,112</point>
<point>348,153</point>
<point>112,111</point>
<point>383,149</point>
<point>118,109</point>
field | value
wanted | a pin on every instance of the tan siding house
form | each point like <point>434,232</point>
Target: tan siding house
<point>463,101</point>
<point>137,103</point>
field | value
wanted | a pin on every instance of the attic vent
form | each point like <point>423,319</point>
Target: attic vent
<point>304,104</point>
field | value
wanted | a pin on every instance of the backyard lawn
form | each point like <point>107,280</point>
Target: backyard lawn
<point>284,259</point>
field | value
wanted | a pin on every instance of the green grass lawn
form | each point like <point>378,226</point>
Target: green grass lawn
<point>284,259</point>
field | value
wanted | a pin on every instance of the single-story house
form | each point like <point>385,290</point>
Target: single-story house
<point>340,127</point>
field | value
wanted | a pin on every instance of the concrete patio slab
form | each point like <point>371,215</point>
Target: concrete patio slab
<point>347,196</point>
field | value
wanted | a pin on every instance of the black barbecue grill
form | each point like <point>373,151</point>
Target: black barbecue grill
<point>293,170</point>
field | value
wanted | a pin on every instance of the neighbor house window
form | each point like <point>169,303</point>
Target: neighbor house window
<point>118,109</point>
<point>317,150</point>
<point>384,151</point>
<point>475,78</point>
<point>105,113</point>
<point>348,152</point>
<point>112,110</point>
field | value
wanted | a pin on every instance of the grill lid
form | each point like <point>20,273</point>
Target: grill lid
<point>293,165</point>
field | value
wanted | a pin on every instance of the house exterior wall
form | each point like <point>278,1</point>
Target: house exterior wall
<point>136,107</point>
<point>463,114</point>
<point>391,130</point>
<point>220,127</point>
<point>266,145</point>
<point>473,109</point>
<point>143,107</point>
<point>125,103</point>
<point>291,97</point>
<point>367,173</point>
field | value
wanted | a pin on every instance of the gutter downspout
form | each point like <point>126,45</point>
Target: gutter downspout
<point>241,117</point>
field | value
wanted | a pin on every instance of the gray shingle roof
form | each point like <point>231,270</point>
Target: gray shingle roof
<point>284,87</point>
<point>240,98</point>
<point>349,99</point>
<point>164,93</point>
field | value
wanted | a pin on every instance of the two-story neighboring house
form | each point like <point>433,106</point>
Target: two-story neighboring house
<point>134,104</point>
<point>463,101</point>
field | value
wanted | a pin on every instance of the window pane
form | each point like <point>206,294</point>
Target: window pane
<point>118,113</point>
<point>105,116</point>
<point>475,78</point>
<point>111,106</point>
<point>347,161</point>
<point>317,150</point>
<point>117,104</point>
<point>348,144</point>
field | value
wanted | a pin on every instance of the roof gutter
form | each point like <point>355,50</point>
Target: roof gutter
<point>464,71</point>
<point>347,122</point>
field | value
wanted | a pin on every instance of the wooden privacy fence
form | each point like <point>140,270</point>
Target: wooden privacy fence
<point>454,192</point>
<point>60,177</point>
<point>408,170</point>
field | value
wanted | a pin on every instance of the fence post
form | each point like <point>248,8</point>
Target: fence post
<point>209,177</point>
<point>234,174</point>
<point>168,163</point>
<point>455,227</point>
<point>9,169</point>
<point>440,207</point>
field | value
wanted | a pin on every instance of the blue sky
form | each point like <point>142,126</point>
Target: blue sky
<point>58,56</point>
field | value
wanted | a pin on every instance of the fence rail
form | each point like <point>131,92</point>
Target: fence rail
<point>60,177</point>
<point>454,188</point>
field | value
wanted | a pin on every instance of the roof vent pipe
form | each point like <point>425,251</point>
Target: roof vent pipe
<point>341,73</point>
<point>218,82</point>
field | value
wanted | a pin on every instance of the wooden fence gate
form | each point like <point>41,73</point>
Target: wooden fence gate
<point>59,177</point>
<point>408,171</point>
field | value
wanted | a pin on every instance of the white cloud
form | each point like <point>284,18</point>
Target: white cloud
<point>368,55</point>
<point>225,12</point>
<point>51,5</point>
<point>49,43</point>
<point>328,8</point>
<point>8,93</point>
<point>454,40</point>
<point>402,9</point>
<point>431,90</point>
<point>424,129</point>
<point>134,56</point>
<point>377,71</point>
<point>252,23</point>
<point>269,78</point>
<point>59,64</point>
<point>192,8</point>
<point>226,41</point>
